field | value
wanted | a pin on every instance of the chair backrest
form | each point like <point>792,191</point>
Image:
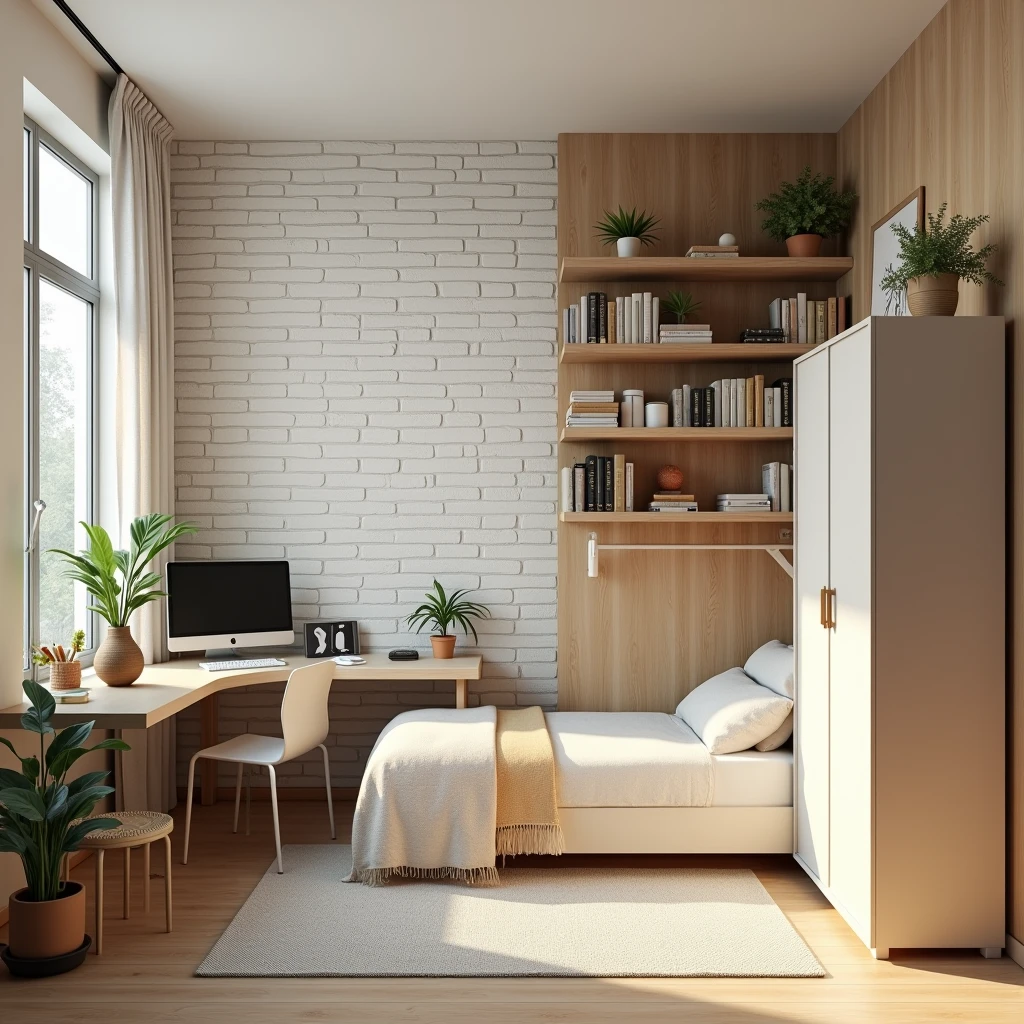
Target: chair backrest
<point>304,718</point>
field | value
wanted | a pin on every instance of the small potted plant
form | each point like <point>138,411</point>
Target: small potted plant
<point>441,611</point>
<point>41,821</point>
<point>65,668</point>
<point>804,212</point>
<point>628,230</point>
<point>119,661</point>
<point>932,260</point>
<point>680,304</point>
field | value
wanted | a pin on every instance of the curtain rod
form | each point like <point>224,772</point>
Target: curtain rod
<point>93,41</point>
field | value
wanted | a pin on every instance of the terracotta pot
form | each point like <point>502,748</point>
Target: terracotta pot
<point>444,647</point>
<point>48,928</point>
<point>119,661</point>
<point>627,246</point>
<point>803,245</point>
<point>933,296</point>
<point>65,675</point>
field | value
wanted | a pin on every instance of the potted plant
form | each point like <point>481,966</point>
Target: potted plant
<point>119,660</point>
<point>804,212</point>
<point>440,611</point>
<point>40,821</point>
<point>628,230</point>
<point>65,669</point>
<point>932,260</point>
<point>680,304</point>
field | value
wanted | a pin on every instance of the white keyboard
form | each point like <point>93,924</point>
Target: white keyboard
<point>237,663</point>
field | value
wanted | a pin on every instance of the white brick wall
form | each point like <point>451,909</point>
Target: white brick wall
<point>365,367</point>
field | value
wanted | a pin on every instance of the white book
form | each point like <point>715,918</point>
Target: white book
<point>584,319</point>
<point>627,319</point>
<point>769,407</point>
<point>776,406</point>
<point>734,387</point>
<point>637,336</point>
<point>716,386</point>
<point>785,492</point>
<point>566,489</point>
<point>686,405</point>
<point>579,488</point>
<point>648,335</point>
<point>741,403</point>
<point>620,321</point>
<point>770,484</point>
<point>565,326</point>
<point>785,320</point>
<point>727,403</point>
<point>629,486</point>
<point>655,318</point>
<point>801,317</point>
<point>775,313</point>
<point>677,407</point>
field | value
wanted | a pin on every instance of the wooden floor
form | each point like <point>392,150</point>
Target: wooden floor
<point>145,975</point>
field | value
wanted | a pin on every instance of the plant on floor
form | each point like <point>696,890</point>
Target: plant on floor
<point>680,304</point>
<point>627,230</point>
<point>810,206</point>
<point>441,611</point>
<point>39,808</point>
<point>937,250</point>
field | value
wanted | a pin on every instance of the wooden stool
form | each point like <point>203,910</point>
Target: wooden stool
<point>137,828</point>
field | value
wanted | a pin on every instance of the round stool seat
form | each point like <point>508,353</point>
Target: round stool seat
<point>136,828</point>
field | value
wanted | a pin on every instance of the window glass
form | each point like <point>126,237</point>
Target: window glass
<point>65,212</point>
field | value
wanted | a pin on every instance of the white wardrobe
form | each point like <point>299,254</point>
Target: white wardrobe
<point>900,499</point>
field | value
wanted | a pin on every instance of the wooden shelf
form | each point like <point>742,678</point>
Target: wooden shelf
<point>686,268</point>
<point>596,518</point>
<point>680,352</point>
<point>676,434</point>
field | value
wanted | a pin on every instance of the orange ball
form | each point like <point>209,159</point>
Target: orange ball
<point>670,478</point>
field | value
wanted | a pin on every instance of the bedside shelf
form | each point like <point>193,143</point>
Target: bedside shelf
<point>705,434</point>
<point>680,352</point>
<point>596,518</point>
<point>686,268</point>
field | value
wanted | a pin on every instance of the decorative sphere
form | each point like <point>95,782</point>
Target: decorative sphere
<point>670,478</point>
<point>727,239</point>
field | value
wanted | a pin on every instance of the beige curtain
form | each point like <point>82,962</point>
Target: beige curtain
<point>144,403</point>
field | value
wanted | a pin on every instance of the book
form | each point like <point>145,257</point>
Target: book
<point>637,336</point>
<point>609,485</point>
<point>593,318</point>
<point>648,332</point>
<point>750,402</point>
<point>712,255</point>
<point>601,407</point>
<point>599,483</point>
<point>77,696</point>
<point>591,396</point>
<point>741,402</point>
<point>602,318</point>
<point>620,321</point>
<point>565,326</point>
<point>785,384</point>
<point>704,250</point>
<point>683,328</point>
<point>785,489</point>
<point>677,407</point>
<point>584,319</point>
<point>727,403</point>
<point>672,496</point>
<point>801,317</point>
<point>680,506</point>
<point>771,484</point>
<point>769,407</point>
<point>655,318</point>
<point>708,415</point>
<point>565,504</point>
<point>759,400</point>
<point>716,387</point>
<point>819,323</point>
<point>590,501</point>
<point>785,320</point>
<point>841,314</point>
<point>579,491</point>
<point>696,407</point>
<point>612,333</point>
<point>831,317</point>
<point>777,407</point>
<point>629,487</point>
<point>792,320</point>
<point>619,483</point>
<point>775,314</point>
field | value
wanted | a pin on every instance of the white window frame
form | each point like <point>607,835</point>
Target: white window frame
<point>41,265</point>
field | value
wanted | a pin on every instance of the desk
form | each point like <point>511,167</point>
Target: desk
<point>165,689</point>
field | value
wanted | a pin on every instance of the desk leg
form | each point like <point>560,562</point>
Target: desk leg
<point>461,692</point>
<point>208,736</point>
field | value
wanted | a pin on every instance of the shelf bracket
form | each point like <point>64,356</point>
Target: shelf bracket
<point>774,550</point>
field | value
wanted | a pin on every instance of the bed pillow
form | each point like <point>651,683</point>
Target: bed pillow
<point>731,712</point>
<point>777,738</point>
<point>772,666</point>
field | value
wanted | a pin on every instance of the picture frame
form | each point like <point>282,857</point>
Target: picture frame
<point>885,249</point>
<point>329,639</point>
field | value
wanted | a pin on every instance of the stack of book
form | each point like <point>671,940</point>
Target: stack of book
<point>592,409</point>
<point>737,402</point>
<point>627,320</point>
<point>744,503</point>
<point>598,484</point>
<point>777,483</point>
<point>672,501</point>
<point>687,334</point>
<point>713,251</point>
<point>807,321</point>
<point>764,335</point>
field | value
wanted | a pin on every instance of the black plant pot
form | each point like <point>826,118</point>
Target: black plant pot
<point>44,967</point>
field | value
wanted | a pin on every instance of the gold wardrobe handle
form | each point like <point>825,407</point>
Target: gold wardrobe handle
<point>824,613</point>
<point>830,607</point>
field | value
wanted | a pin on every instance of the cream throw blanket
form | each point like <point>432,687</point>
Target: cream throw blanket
<point>438,800</point>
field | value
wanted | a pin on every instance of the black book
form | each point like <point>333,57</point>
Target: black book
<point>592,317</point>
<point>696,407</point>
<point>590,504</point>
<point>599,502</point>
<point>785,384</point>
<point>609,485</point>
<point>708,419</point>
<point>602,318</point>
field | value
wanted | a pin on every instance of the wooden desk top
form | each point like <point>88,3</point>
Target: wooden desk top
<point>165,689</point>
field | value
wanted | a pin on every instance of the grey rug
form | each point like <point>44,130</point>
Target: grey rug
<point>540,922</point>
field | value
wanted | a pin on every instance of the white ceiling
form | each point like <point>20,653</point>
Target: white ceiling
<point>500,69</point>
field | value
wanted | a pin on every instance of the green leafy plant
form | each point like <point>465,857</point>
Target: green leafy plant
<point>680,304</point>
<point>809,206</point>
<point>627,224</point>
<point>42,655</point>
<point>441,610</point>
<point>39,810</point>
<point>97,567</point>
<point>937,248</point>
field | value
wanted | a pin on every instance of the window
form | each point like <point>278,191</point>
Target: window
<point>61,306</point>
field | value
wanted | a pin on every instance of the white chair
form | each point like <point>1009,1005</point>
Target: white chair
<point>304,725</point>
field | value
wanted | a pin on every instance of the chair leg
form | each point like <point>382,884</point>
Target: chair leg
<point>238,795</point>
<point>127,882</point>
<point>99,901</point>
<point>248,795</point>
<point>277,822</point>
<point>327,783</point>
<point>145,878</point>
<point>188,805</point>
<point>167,880</point>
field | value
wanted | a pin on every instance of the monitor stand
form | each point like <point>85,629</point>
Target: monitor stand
<point>222,653</point>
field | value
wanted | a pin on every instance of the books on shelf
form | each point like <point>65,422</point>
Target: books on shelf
<point>776,482</point>
<point>672,501</point>
<point>713,251</point>
<point>807,321</point>
<point>600,483</point>
<point>592,409</point>
<point>743,503</point>
<point>688,334</point>
<point>733,402</point>
<point>763,335</point>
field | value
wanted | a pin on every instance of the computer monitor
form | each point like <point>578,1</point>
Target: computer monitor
<point>219,606</point>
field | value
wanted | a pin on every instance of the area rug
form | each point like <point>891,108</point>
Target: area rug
<point>539,922</point>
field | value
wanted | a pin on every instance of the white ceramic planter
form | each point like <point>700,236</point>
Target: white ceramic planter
<point>628,246</point>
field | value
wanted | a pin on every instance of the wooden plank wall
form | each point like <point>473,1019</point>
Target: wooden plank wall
<point>656,624</point>
<point>950,116</point>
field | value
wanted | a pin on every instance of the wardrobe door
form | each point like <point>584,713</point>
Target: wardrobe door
<point>850,570</point>
<point>811,464</point>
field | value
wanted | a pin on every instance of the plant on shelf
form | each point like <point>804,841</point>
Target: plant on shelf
<point>119,661</point>
<point>804,212</point>
<point>627,230</point>
<point>65,668</point>
<point>931,261</point>
<point>441,611</point>
<point>41,816</point>
<point>680,304</point>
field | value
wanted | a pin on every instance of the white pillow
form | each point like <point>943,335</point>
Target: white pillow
<point>731,712</point>
<point>778,737</point>
<point>772,666</point>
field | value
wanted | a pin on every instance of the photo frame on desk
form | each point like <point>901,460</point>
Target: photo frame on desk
<point>329,639</point>
<point>885,249</point>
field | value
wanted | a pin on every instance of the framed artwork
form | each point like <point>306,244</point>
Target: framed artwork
<point>885,249</point>
<point>329,639</point>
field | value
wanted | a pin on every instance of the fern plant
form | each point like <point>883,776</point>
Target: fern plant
<point>937,248</point>
<point>627,224</point>
<point>680,304</point>
<point>809,206</point>
<point>441,610</point>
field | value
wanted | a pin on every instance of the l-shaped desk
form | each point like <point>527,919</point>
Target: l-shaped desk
<point>165,689</point>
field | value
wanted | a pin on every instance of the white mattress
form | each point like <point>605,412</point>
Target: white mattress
<point>648,759</point>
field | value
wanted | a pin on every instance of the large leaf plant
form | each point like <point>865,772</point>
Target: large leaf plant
<point>441,610</point>
<point>40,811</point>
<point>97,567</point>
